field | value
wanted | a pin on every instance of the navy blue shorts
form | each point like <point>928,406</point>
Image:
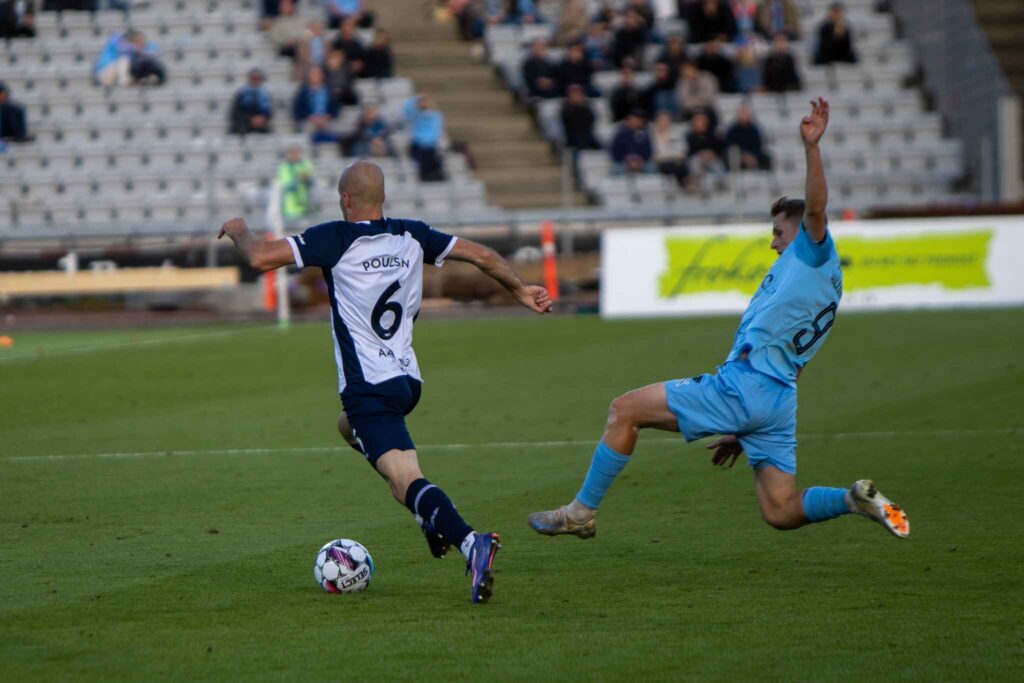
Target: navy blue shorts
<point>377,414</point>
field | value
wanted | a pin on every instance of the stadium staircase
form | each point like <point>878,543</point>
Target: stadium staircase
<point>513,161</point>
<point>1003,22</point>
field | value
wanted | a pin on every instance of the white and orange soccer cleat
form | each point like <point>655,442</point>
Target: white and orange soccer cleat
<point>868,501</point>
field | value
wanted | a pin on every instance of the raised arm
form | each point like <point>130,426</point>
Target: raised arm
<point>490,262</point>
<point>259,253</point>
<point>816,192</point>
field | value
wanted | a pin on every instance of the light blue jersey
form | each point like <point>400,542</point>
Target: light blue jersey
<point>793,310</point>
<point>786,322</point>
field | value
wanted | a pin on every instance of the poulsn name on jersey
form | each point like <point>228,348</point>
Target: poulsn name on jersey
<point>385,263</point>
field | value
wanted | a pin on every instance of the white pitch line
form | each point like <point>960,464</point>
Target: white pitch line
<point>96,348</point>
<point>467,446</point>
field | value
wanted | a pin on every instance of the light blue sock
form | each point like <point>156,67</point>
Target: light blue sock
<point>604,467</point>
<point>822,503</point>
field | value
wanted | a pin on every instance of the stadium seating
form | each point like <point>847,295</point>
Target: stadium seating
<point>130,160</point>
<point>883,146</point>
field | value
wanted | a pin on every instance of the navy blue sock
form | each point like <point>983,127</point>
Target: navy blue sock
<point>432,504</point>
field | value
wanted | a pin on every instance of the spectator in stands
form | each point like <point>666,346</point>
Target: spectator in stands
<point>17,19</point>
<point>596,46</point>
<point>835,42</point>
<point>252,108</point>
<point>717,64</point>
<point>578,126</point>
<point>287,30</point>
<point>372,136</point>
<point>348,42</point>
<point>780,68</point>
<point>127,58</point>
<point>713,18</point>
<point>576,70</point>
<point>339,79</point>
<point>522,12</point>
<point>74,5</point>
<point>122,5</point>
<point>744,12</point>
<point>669,155</point>
<point>314,107</point>
<point>426,125</point>
<point>687,9</point>
<point>605,15</point>
<point>483,13</point>
<point>697,91</point>
<point>629,40</point>
<point>269,10</point>
<point>745,136</point>
<point>341,11</point>
<point>661,93</point>
<point>540,76</point>
<point>646,12</point>
<point>378,62</point>
<point>578,120</point>
<point>311,49</point>
<point>631,148</point>
<point>674,55</point>
<point>296,177</point>
<point>627,97</point>
<point>13,123</point>
<point>573,22</point>
<point>778,16</point>
<point>748,72</point>
<point>704,149</point>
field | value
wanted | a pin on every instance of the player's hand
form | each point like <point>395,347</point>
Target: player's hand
<point>233,228</point>
<point>813,127</point>
<point>535,298</point>
<point>727,449</point>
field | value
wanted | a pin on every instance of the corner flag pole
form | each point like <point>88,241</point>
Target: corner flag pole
<point>275,219</point>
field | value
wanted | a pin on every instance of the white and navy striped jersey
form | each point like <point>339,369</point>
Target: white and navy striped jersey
<point>374,275</point>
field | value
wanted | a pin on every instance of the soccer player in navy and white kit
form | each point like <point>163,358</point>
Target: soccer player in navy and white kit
<point>752,397</point>
<point>373,267</point>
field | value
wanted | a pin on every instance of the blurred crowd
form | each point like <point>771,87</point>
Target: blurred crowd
<point>329,54</point>
<point>737,46</point>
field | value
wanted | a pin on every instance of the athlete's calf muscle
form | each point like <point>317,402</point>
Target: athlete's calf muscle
<point>400,468</point>
<point>778,498</point>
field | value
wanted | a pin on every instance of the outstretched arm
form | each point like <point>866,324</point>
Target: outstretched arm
<point>816,193</point>
<point>490,262</point>
<point>260,254</point>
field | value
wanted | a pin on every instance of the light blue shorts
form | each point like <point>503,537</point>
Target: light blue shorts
<point>739,400</point>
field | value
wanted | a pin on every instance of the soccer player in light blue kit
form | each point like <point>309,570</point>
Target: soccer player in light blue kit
<point>752,397</point>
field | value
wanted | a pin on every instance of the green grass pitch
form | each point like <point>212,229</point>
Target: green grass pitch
<point>192,558</point>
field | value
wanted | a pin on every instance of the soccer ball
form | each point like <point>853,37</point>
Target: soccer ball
<point>343,566</point>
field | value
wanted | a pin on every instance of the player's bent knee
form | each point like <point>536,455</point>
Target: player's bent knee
<point>619,412</point>
<point>781,516</point>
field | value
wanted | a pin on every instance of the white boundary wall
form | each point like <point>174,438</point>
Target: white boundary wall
<point>933,263</point>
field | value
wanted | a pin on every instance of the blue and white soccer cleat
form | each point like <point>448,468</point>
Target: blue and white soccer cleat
<point>870,502</point>
<point>480,563</point>
<point>438,546</point>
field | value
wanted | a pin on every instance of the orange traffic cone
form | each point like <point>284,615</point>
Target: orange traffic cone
<point>547,245</point>
<point>269,286</point>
